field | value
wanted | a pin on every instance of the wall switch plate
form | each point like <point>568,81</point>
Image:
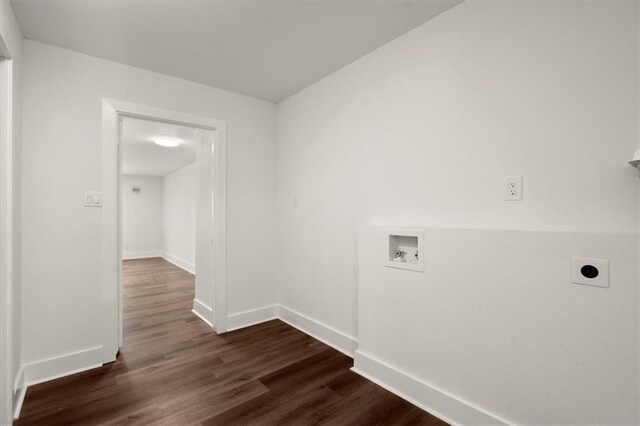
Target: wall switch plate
<point>590,271</point>
<point>92,199</point>
<point>296,200</point>
<point>513,188</point>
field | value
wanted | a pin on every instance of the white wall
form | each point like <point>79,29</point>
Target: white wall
<point>205,256</point>
<point>495,322</point>
<point>142,224</point>
<point>63,94</point>
<point>12,36</point>
<point>424,130</point>
<point>179,216</point>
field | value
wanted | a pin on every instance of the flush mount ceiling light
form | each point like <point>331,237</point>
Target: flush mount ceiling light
<point>167,142</point>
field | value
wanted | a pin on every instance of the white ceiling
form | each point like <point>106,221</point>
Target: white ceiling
<point>140,154</point>
<point>266,49</point>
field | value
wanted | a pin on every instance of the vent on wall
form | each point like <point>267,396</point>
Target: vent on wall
<point>406,250</point>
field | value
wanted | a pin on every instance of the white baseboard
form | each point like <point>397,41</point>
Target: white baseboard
<point>447,407</point>
<point>203,312</point>
<point>441,404</point>
<point>53,368</point>
<point>183,264</point>
<point>141,255</point>
<point>63,365</point>
<point>252,317</point>
<point>328,335</point>
<point>19,392</point>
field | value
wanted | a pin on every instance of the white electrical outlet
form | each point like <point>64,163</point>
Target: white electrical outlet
<point>513,188</point>
<point>590,271</point>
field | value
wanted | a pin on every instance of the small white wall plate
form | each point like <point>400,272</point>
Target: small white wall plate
<point>409,243</point>
<point>590,271</point>
<point>92,199</point>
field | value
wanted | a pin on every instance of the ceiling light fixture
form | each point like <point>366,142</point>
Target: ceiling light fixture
<point>167,142</point>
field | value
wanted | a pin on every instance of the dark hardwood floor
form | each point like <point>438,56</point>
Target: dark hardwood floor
<point>174,370</point>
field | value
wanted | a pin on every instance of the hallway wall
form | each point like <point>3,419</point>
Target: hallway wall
<point>179,217</point>
<point>142,216</point>
<point>63,93</point>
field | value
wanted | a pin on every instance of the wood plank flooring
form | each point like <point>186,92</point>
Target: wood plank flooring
<point>174,370</point>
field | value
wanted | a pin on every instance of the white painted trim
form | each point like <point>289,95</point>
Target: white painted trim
<point>6,236</point>
<point>111,269</point>
<point>322,332</point>
<point>19,392</point>
<point>220,227</point>
<point>51,369</point>
<point>180,263</point>
<point>441,404</point>
<point>111,248</point>
<point>202,311</point>
<point>251,317</point>
<point>19,381</point>
<point>62,365</point>
<point>18,401</point>
<point>141,255</point>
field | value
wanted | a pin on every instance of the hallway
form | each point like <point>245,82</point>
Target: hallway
<point>174,370</point>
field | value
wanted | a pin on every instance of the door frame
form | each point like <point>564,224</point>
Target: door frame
<point>6,235</point>
<point>111,274</point>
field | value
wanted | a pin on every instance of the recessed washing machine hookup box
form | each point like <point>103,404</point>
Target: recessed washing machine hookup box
<point>405,249</point>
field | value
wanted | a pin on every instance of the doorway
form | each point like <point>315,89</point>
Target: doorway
<point>209,141</point>
<point>166,186</point>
